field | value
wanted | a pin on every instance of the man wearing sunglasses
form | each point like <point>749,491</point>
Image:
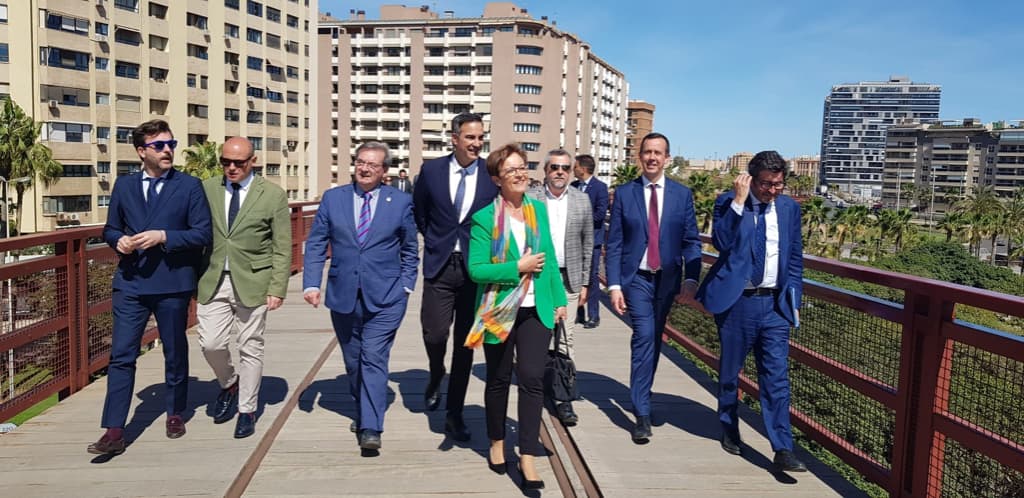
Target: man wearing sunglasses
<point>158,222</point>
<point>572,231</point>
<point>245,276</point>
<point>754,291</point>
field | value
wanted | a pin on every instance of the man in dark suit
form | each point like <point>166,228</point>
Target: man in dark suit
<point>651,239</point>
<point>370,230</point>
<point>448,191</point>
<point>572,232</point>
<point>244,276</point>
<point>598,192</point>
<point>754,291</point>
<point>403,182</point>
<point>158,222</point>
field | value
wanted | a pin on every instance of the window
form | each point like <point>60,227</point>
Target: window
<point>274,119</point>
<point>293,22</point>
<point>254,8</point>
<point>126,70</point>
<point>461,70</point>
<point>528,89</point>
<point>77,170</point>
<point>254,63</point>
<point>524,69</point>
<point>252,91</point>
<point>291,47</point>
<point>128,37</point>
<point>231,114</point>
<point>231,58</point>
<point>526,127</point>
<point>3,13</point>
<point>464,32</point>
<point>65,95</point>
<point>485,50</point>
<point>190,80</point>
<point>230,30</point>
<point>102,28</point>
<point>292,121</point>
<point>64,58</point>
<point>66,203</point>
<point>483,70</point>
<point>230,87</point>
<point>273,15</point>
<point>433,108</point>
<point>66,132</point>
<point>102,98</point>
<point>293,72</point>
<point>127,167</point>
<point>198,111</point>
<point>273,170</point>
<point>102,63</point>
<point>531,146</point>
<point>527,108</point>
<point>254,117</point>
<point>231,4</point>
<point>103,167</point>
<point>5,53</point>
<point>274,71</point>
<point>158,43</point>
<point>63,22</point>
<point>103,201</point>
<point>132,5</point>
<point>158,11</point>
<point>254,35</point>
<point>293,97</point>
<point>157,74</point>
<point>196,20</point>
<point>124,136</point>
<point>529,50</point>
<point>273,41</point>
<point>127,103</point>
<point>528,31</point>
<point>157,107</point>
<point>275,96</point>
<point>198,51</point>
<point>257,144</point>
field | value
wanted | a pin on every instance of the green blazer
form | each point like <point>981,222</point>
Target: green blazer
<point>548,290</point>
<point>258,246</point>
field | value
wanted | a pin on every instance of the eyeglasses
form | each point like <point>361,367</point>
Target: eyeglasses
<point>158,145</point>
<point>522,170</point>
<point>238,163</point>
<point>564,167</point>
<point>771,185</point>
<point>360,163</point>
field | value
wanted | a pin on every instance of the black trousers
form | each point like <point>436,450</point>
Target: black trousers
<point>449,295</point>
<point>528,344</point>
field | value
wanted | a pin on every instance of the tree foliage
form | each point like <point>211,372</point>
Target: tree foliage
<point>203,160</point>
<point>22,155</point>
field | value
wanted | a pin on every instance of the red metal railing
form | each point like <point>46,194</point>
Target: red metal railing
<point>56,317</point>
<point>939,360</point>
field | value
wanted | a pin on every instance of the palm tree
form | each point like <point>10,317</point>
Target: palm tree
<point>202,160</point>
<point>984,212</point>
<point>625,174</point>
<point>953,223</point>
<point>894,224</point>
<point>1017,252</point>
<point>21,153</point>
<point>815,216</point>
<point>1014,216</point>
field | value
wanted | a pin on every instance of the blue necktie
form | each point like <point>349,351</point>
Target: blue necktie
<point>759,246</point>
<point>364,219</point>
<point>234,205</point>
<point>151,193</point>
<point>583,187</point>
<point>460,192</point>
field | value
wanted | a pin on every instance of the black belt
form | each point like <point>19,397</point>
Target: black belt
<point>760,291</point>
<point>647,274</point>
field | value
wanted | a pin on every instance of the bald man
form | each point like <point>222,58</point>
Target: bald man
<point>245,276</point>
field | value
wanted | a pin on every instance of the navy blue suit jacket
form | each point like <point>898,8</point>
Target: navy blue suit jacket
<point>382,268</point>
<point>182,211</point>
<point>598,192</point>
<point>731,235</point>
<point>678,241</point>
<point>435,214</point>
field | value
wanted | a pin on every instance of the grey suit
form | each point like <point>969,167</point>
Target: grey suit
<point>579,242</point>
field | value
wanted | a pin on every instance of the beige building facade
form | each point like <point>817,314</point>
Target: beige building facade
<point>402,78</point>
<point>90,71</point>
<point>739,160</point>
<point>806,166</point>
<point>640,122</point>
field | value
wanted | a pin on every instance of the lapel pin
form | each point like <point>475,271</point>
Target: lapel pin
<point>387,199</point>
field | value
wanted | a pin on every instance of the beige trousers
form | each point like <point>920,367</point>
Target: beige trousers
<point>217,319</point>
<point>570,323</point>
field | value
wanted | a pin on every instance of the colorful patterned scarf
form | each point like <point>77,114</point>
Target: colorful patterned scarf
<point>492,317</point>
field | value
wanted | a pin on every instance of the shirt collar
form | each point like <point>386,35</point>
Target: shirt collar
<point>244,183</point>
<point>550,195</point>
<point>145,176</point>
<point>660,183</point>
<point>455,167</point>
<point>359,191</point>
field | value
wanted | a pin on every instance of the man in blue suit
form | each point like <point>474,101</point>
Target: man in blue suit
<point>653,245</point>
<point>158,222</point>
<point>598,192</point>
<point>754,291</point>
<point>447,192</point>
<point>372,237</point>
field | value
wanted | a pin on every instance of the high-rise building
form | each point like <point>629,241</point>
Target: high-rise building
<point>90,71</point>
<point>854,121</point>
<point>402,78</point>
<point>640,122</point>
<point>740,160</point>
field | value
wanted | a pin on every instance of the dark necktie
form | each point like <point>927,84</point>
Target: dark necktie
<point>653,234</point>
<point>364,219</point>
<point>583,187</point>
<point>759,246</point>
<point>234,204</point>
<point>151,192</point>
<point>460,192</point>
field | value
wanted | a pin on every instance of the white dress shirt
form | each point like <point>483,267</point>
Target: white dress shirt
<point>770,278</point>
<point>647,203</point>
<point>519,234</point>
<point>467,198</point>
<point>558,217</point>
<point>227,200</point>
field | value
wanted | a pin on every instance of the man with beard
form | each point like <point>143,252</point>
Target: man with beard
<point>598,193</point>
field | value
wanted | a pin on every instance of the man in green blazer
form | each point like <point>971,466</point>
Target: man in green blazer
<point>244,276</point>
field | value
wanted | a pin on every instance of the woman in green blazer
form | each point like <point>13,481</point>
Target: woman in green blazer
<point>521,298</point>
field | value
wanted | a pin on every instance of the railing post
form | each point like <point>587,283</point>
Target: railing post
<point>82,298</point>
<point>925,362</point>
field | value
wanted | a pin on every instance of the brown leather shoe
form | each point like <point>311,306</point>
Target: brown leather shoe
<point>175,426</point>
<point>107,446</point>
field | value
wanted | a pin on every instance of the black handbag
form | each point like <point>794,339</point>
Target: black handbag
<point>560,373</point>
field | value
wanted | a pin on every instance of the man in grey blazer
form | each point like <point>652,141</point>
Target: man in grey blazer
<point>572,231</point>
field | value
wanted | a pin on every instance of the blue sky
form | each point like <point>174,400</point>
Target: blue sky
<point>751,75</point>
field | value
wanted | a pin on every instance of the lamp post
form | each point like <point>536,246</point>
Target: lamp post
<point>10,291</point>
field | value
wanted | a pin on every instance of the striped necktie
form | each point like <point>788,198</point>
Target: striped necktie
<point>364,219</point>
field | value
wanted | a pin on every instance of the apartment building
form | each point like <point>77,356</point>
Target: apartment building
<point>739,161</point>
<point>401,79</point>
<point>853,131</point>
<point>640,122</point>
<point>946,161</point>
<point>806,166</point>
<point>91,70</point>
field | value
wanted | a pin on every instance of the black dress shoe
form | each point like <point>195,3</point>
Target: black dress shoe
<point>731,445</point>
<point>175,426</point>
<point>432,397</point>
<point>107,446</point>
<point>592,324</point>
<point>369,439</point>
<point>354,426</point>
<point>227,403</point>
<point>456,428</point>
<point>246,425</point>
<point>786,461</point>
<point>528,485</point>
<point>642,430</point>
<point>566,414</point>
<point>497,468</point>
<point>581,315</point>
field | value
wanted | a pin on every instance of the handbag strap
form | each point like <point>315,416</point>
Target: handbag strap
<point>559,332</point>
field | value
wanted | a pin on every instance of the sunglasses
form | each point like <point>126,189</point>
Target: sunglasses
<point>565,167</point>
<point>238,163</point>
<point>158,145</point>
